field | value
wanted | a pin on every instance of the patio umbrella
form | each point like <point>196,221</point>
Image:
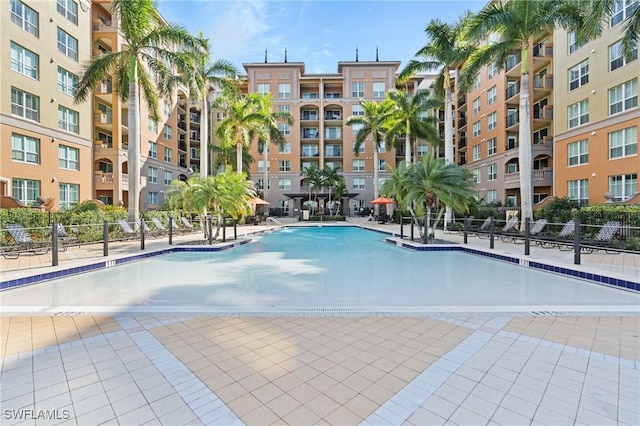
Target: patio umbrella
<point>382,200</point>
<point>257,201</point>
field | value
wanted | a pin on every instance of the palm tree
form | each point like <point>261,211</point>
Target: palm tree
<point>245,118</point>
<point>598,14</point>
<point>339,189</point>
<point>312,177</point>
<point>373,123</point>
<point>446,51</point>
<point>153,48</point>
<point>518,23</point>
<point>430,184</point>
<point>208,77</point>
<point>225,156</point>
<point>410,118</point>
<point>330,177</point>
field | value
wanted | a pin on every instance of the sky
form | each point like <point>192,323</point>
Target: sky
<point>319,33</point>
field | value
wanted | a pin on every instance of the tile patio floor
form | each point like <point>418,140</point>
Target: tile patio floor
<point>432,369</point>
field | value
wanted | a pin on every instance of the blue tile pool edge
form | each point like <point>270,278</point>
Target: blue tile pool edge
<point>560,270</point>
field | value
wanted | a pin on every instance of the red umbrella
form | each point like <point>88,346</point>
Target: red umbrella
<point>382,200</point>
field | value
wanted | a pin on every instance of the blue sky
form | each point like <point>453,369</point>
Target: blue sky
<point>318,32</point>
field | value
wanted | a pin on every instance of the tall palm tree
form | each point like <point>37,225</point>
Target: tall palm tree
<point>330,176</point>
<point>518,23</point>
<point>411,120</point>
<point>339,189</point>
<point>225,156</point>
<point>153,48</point>
<point>373,123</point>
<point>312,177</point>
<point>245,118</point>
<point>221,76</point>
<point>598,14</point>
<point>445,52</point>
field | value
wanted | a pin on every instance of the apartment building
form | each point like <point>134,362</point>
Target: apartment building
<point>597,116</point>
<point>487,123</point>
<point>46,149</point>
<point>169,147</point>
<point>320,105</point>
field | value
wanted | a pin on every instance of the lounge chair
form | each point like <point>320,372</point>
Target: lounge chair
<point>518,237</point>
<point>562,239</point>
<point>148,232</point>
<point>128,231</point>
<point>159,226</point>
<point>603,239</point>
<point>468,221</point>
<point>65,238</point>
<point>482,228</point>
<point>506,228</point>
<point>187,226</point>
<point>24,243</point>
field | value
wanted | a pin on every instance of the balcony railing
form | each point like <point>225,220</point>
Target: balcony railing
<point>335,152</point>
<point>182,125</point>
<point>513,90</point>
<point>512,119</point>
<point>513,60</point>
<point>333,117</point>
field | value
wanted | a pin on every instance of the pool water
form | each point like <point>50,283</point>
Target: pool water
<point>317,267</point>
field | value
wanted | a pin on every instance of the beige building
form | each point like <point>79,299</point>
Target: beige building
<point>46,148</point>
<point>320,105</point>
<point>487,124</point>
<point>597,116</point>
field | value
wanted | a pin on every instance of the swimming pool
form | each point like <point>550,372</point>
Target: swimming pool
<point>343,268</point>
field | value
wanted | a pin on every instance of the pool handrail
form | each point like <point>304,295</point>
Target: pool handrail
<point>274,220</point>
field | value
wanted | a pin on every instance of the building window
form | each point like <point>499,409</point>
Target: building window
<point>68,158</point>
<point>572,42</point>
<point>285,148</point>
<point>284,108</point>
<point>476,105</point>
<point>476,175</point>
<point>379,89</point>
<point>356,127</point>
<point>492,70</point>
<point>153,198</point>
<point>167,108</point>
<point>492,171</point>
<point>423,149</point>
<point>25,104</point>
<point>358,184</point>
<point>333,132</point>
<point>476,152</point>
<point>357,90</point>
<point>357,165</point>
<point>168,177</point>
<point>579,75</point>
<point>284,91</point>
<point>168,155</point>
<point>579,191</point>
<point>578,152</point>
<point>24,17</point>
<point>25,149</point>
<point>492,95</point>
<point>68,119</point>
<point>25,190</point>
<point>492,195</point>
<point>68,9</point>
<point>360,148</point>
<point>153,150</point>
<point>284,165</point>
<point>263,88</point>
<point>357,110</point>
<point>284,184</point>
<point>152,174</point>
<point>623,186</point>
<point>67,45</point>
<point>168,132</point>
<point>382,165</point>
<point>617,58</point>
<point>622,9</point>
<point>284,128</point>
<point>492,121</point>
<point>152,125</point>
<point>623,97</point>
<point>260,184</point>
<point>492,146</point>
<point>69,194</point>
<point>476,129</point>
<point>261,166</point>
<point>476,82</point>
<point>67,82</point>
<point>623,143</point>
<point>578,113</point>
<point>24,61</point>
<point>539,137</point>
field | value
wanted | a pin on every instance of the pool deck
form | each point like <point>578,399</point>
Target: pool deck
<point>463,368</point>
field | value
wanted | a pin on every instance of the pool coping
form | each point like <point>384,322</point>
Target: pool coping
<point>392,238</point>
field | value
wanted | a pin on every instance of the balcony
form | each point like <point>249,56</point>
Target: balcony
<point>309,154</point>
<point>542,116</point>
<point>462,100</point>
<point>462,143</point>
<point>102,177</point>
<point>333,116</point>
<point>462,122</point>
<point>310,134</point>
<point>182,146</point>
<point>103,25</point>
<point>309,116</point>
<point>182,126</point>
<point>512,120</point>
<point>512,92</point>
<point>513,65</point>
<point>102,119</point>
<point>542,54</point>
<point>542,85</point>
<point>333,152</point>
<point>194,118</point>
<point>182,106</point>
